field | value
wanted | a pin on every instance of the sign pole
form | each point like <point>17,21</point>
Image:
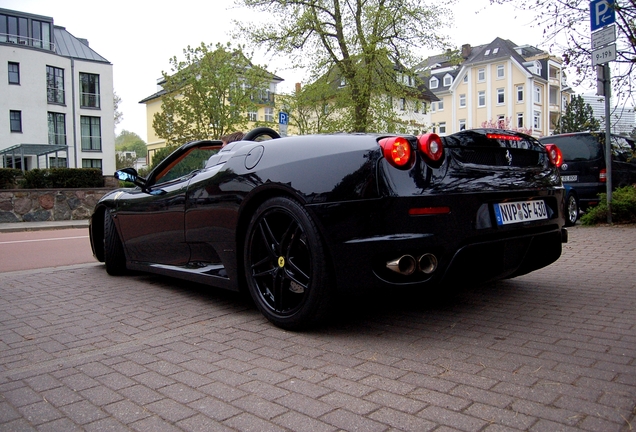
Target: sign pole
<point>607,83</point>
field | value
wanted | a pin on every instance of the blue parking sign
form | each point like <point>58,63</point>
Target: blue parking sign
<point>602,13</point>
<point>283,118</point>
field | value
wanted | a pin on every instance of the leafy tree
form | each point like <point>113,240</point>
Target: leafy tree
<point>310,110</point>
<point>566,26</point>
<point>209,94</point>
<point>119,116</point>
<point>130,141</point>
<point>357,40</point>
<point>578,117</point>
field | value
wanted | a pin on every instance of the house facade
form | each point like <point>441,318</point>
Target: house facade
<point>499,84</point>
<point>57,106</point>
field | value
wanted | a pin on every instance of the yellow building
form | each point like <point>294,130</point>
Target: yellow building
<point>497,84</point>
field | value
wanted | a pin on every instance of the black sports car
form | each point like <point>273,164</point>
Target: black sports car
<point>294,219</point>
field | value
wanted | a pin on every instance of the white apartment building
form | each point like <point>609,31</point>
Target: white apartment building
<point>622,119</point>
<point>56,97</point>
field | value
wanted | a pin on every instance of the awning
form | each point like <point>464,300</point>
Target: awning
<point>22,150</point>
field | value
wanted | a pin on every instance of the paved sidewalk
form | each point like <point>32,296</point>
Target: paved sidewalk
<point>47,225</point>
<point>554,350</point>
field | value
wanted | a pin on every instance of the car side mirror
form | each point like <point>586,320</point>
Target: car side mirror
<point>130,175</point>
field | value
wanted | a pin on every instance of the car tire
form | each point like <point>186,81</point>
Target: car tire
<point>287,274</point>
<point>114,257</point>
<point>571,210</point>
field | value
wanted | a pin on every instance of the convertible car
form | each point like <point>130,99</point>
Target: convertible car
<point>294,220</point>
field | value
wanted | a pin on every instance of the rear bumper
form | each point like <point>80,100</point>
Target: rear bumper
<point>466,245</point>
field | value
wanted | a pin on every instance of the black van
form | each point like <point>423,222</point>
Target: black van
<point>583,171</point>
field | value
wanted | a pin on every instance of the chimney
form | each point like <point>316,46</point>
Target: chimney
<point>466,50</point>
<point>297,87</point>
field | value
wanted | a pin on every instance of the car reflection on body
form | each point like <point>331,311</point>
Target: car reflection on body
<point>296,220</point>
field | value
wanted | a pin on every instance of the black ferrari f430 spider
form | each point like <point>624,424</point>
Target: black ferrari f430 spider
<point>295,219</point>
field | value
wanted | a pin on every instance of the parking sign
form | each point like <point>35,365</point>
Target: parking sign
<point>602,13</point>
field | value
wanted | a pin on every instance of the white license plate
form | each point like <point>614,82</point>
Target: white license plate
<point>570,178</point>
<point>520,211</point>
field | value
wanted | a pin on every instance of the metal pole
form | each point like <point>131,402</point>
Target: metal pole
<point>608,139</point>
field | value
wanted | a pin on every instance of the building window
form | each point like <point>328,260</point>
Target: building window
<point>466,78</point>
<point>537,120</point>
<point>57,128</point>
<point>519,120</point>
<point>417,106</point>
<point>91,133</point>
<point>440,105</point>
<point>252,116</point>
<point>57,162</point>
<point>481,75</point>
<point>433,107</point>
<point>89,90</point>
<point>481,99</point>
<point>14,29</point>
<point>15,118</point>
<point>442,127</point>
<point>54,85</point>
<point>537,94</point>
<point>462,125</point>
<point>500,96</point>
<point>448,80</point>
<point>500,71</point>
<point>520,93</point>
<point>462,100</point>
<point>402,104</point>
<point>434,83</point>
<point>501,122</point>
<point>92,163</point>
<point>14,73</point>
<point>41,34</point>
<point>269,114</point>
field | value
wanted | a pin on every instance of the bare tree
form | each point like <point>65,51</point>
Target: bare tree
<point>566,28</point>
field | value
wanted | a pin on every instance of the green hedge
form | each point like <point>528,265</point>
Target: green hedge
<point>8,177</point>
<point>623,208</point>
<point>63,178</point>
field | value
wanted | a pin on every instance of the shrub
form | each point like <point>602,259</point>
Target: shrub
<point>623,208</point>
<point>8,177</point>
<point>63,178</point>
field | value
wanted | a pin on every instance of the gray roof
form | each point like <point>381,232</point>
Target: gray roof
<point>68,45</point>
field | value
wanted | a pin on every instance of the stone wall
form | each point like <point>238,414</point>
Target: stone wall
<point>31,205</point>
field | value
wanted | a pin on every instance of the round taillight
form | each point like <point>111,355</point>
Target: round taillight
<point>554,154</point>
<point>397,150</point>
<point>431,145</point>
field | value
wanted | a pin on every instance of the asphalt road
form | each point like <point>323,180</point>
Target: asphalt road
<point>42,249</point>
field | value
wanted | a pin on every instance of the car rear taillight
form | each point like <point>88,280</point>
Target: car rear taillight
<point>602,175</point>
<point>505,137</point>
<point>431,147</point>
<point>555,155</point>
<point>397,150</point>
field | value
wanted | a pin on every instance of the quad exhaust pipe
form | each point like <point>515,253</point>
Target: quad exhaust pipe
<point>407,264</point>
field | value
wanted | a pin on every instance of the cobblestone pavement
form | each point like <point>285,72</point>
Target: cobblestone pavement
<point>552,350</point>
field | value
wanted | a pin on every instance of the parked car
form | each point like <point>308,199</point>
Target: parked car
<point>584,168</point>
<point>295,220</point>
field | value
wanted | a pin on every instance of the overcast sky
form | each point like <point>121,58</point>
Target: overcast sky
<point>139,37</point>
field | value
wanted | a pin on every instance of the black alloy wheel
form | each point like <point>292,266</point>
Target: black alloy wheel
<point>114,257</point>
<point>285,266</point>
<point>571,210</point>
